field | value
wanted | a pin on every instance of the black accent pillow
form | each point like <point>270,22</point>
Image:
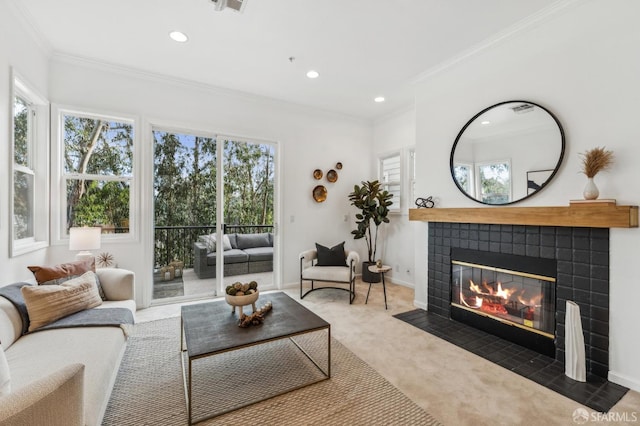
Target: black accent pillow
<point>333,256</point>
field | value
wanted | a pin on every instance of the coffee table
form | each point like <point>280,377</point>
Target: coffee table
<point>209,329</point>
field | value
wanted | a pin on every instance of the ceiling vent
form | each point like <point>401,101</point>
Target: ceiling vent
<point>522,109</point>
<point>237,5</point>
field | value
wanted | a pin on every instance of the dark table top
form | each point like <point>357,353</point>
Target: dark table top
<point>211,327</point>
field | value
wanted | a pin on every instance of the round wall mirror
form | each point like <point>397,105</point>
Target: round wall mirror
<point>507,152</point>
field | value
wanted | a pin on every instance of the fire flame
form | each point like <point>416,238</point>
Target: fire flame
<point>533,302</point>
<point>499,292</point>
<point>477,305</point>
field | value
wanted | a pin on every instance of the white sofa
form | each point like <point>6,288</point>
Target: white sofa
<point>64,376</point>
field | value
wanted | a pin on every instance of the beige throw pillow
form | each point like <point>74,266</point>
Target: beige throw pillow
<point>48,303</point>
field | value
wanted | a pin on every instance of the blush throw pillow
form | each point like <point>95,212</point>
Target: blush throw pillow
<point>333,256</point>
<point>5,378</point>
<point>48,303</point>
<point>44,274</point>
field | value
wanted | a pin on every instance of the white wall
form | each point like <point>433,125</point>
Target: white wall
<point>396,133</point>
<point>30,61</point>
<point>583,66</point>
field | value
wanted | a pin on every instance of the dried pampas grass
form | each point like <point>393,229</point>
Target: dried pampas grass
<point>596,160</point>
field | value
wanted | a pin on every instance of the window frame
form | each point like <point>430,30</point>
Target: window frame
<point>38,159</point>
<point>471,172</point>
<point>411,177</point>
<point>407,182</point>
<point>60,177</point>
<point>395,207</point>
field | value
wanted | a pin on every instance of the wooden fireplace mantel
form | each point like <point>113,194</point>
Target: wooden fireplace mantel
<point>581,215</point>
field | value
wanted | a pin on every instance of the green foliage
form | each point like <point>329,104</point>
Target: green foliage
<point>373,203</point>
<point>96,151</point>
<point>495,183</point>
<point>20,132</point>
<point>23,183</point>
<point>248,183</point>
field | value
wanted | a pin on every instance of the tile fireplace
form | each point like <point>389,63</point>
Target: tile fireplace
<point>522,304</point>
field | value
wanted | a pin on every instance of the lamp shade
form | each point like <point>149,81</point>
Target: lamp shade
<point>85,238</point>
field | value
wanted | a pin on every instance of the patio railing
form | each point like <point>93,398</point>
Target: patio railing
<point>176,242</point>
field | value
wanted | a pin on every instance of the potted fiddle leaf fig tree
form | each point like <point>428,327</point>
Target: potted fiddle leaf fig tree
<point>373,203</point>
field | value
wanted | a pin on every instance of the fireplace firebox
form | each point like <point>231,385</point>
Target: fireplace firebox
<point>511,296</point>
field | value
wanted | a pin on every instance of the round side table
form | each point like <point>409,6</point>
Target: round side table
<point>381,270</point>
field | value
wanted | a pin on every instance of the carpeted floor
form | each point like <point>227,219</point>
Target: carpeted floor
<point>149,387</point>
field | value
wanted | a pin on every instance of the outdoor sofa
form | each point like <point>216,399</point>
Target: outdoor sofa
<point>242,254</point>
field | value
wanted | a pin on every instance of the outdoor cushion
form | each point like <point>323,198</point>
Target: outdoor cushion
<point>209,241</point>
<point>258,254</point>
<point>232,241</point>
<point>247,241</point>
<point>230,256</point>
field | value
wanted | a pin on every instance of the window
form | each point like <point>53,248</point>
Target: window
<point>494,182</point>
<point>97,172</point>
<point>29,212</point>
<point>390,178</point>
<point>23,173</point>
<point>463,174</point>
<point>412,177</point>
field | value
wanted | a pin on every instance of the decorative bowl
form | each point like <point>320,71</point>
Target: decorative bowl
<point>319,193</point>
<point>240,301</point>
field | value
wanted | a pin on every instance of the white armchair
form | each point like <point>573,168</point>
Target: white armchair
<point>309,271</point>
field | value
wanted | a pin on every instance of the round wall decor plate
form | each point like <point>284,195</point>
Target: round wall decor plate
<point>332,175</point>
<point>319,193</point>
<point>317,174</point>
<point>339,166</point>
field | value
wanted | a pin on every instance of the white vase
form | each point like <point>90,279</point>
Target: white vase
<point>590,190</point>
<point>575,366</point>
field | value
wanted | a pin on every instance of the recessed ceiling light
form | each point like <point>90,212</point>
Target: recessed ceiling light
<point>485,122</point>
<point>178,36</point>
<point>379,99</point>
<point>313,74</point>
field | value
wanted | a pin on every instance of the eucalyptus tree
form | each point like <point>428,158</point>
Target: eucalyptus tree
<point>97,151</point>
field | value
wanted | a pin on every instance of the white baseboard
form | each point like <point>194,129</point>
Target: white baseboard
<point>626,381</point>
<point>419,305</point>
<point>399,282</point>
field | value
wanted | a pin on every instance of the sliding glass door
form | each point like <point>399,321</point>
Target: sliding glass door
<point>213,213</point>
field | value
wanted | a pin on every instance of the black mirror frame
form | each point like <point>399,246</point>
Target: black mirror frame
<point>555,169</point>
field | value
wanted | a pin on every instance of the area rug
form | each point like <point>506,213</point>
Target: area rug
<point>149,387</point>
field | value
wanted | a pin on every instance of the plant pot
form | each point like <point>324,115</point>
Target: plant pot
<point>367,275</point>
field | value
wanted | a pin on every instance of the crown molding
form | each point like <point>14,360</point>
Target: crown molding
<point>406,108</point>
<point>65,58</point>
<point>26,21</point>
<point>507,34</point>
